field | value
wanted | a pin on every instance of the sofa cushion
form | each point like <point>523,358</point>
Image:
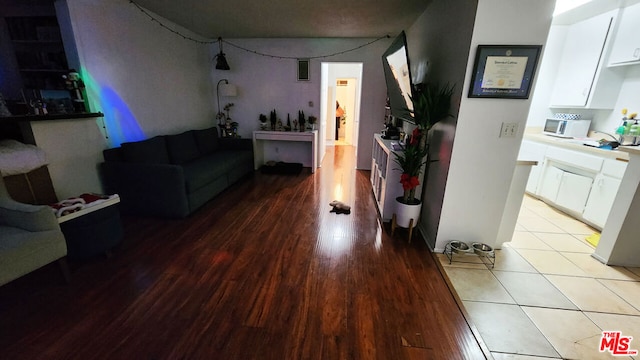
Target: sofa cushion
<point>182,147</point>
<point>207,140</point>
<point>150,151</point>
<point>235,158</point>
<point>205,169</point>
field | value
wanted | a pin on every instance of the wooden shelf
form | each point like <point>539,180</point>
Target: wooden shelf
<point>73,116</point>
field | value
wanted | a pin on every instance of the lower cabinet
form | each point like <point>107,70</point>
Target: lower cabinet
<point>580,184</point>
<point>574,191</point>
<point>565,189</point>
<point>550,183</point>
<point>603,194</point>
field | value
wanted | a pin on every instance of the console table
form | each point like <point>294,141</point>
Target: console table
<point>266,146</point>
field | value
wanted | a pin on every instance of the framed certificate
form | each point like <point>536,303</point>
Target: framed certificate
<point>504,71</point>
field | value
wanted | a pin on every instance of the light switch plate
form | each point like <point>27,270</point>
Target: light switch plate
<point>509,130</point>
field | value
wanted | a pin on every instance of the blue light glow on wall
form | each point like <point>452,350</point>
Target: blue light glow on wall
<point>120,123</point>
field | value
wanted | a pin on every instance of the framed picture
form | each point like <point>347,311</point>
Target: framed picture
<point>504,71</point>
<point>303,69</point>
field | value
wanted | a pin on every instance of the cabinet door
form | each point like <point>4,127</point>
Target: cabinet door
<point>579,62</point>
<point>626,46</point>
<point>573,191</point>
<point>600,202</point>
<point>551,179</point>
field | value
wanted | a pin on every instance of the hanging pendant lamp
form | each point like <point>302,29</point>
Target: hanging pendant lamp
<point>221,61</point>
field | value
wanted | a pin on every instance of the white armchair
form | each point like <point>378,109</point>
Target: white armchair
<point>30,238</point>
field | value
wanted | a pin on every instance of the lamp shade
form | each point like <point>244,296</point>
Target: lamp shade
<point>221,62</point>
<point>228,90</point>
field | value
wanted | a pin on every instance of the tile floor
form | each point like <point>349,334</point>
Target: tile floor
<point>546,297</point>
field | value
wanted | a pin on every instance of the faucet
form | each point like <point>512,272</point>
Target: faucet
<point>619,140</point>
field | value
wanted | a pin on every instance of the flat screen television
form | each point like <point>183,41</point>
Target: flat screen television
<point>397,74</point>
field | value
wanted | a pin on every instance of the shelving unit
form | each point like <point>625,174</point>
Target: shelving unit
<point>39,51</point>
<point>382,169</point>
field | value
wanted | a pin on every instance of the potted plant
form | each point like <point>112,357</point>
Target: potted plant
<point>431,104</point>
<point>263,122</point>
<point>312,121</point>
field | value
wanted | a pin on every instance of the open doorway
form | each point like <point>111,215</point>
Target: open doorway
<point>345,111</point>
<point>341,84</point>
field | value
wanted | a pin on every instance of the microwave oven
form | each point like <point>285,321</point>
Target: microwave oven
<point>566,128</point>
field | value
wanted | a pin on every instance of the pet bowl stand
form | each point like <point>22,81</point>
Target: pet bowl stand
<point>483,251</point>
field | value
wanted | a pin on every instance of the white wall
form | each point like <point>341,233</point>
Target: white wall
<point>147,80</point>
<point>482,164</point>
<point>267,83</point>
<point>73,151</point>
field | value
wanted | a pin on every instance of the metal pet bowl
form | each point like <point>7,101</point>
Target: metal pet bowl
<point>482,249</point>
<point>459,246</point>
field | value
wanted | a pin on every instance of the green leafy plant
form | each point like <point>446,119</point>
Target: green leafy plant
<point>431,104</point>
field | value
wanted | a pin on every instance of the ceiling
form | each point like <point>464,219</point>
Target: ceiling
<point>290,18</point>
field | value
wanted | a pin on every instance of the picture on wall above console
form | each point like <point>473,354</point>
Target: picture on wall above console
<point>504,71</point>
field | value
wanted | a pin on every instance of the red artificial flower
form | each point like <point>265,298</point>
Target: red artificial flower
<point>415,137</point>
<point>409,182</point>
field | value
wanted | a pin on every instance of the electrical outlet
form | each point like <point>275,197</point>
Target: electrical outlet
<point>509,130</point>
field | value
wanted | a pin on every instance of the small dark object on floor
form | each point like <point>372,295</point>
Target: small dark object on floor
<point>339,207</point>
<point>338,210</point>
<point>281,168</point>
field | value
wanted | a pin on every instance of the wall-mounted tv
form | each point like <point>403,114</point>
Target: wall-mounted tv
<point>397,73</point>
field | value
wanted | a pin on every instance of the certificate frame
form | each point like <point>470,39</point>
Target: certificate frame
<point>504,71</point>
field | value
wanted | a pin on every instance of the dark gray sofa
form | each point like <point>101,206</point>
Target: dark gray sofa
<point>173,175</point>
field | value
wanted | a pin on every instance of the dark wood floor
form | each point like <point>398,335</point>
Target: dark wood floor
<point>264,271</point>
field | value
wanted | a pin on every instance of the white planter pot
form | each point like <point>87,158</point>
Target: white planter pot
<point>404,213</point>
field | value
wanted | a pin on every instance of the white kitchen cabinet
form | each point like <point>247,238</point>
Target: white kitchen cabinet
<point>551,180</point>
<point>603,194</point>
<point>565,189</point>
<point>583,81</point>
<point>581,181</point>
<point>626,45</point>
<point>573,191</point>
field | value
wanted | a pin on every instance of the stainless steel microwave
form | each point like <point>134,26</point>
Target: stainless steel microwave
<point>566,128</point>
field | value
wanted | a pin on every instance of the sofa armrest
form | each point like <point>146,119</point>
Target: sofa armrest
<point>235,144</point>
<point>32,218</point>
<point>147,189</point>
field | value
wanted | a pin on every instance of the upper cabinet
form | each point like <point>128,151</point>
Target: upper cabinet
<point>583,80</point>
<point>626,46</point>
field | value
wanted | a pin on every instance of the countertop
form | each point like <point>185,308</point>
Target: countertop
<point>633,150</point>
<point>575,144</point>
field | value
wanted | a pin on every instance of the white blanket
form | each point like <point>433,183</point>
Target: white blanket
<point>18,158</point>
